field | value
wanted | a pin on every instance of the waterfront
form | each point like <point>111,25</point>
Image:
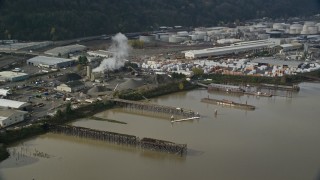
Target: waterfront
<point>279,140</point>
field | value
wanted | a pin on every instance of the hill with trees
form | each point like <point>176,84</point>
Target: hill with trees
<point>64,19</point>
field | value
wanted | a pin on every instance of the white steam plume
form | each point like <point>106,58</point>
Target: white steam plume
<point>120,50</point>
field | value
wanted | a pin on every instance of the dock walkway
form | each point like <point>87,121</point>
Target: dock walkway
<point>117,138</point>
<point>155,108</point>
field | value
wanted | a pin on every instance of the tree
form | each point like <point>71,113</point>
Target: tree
<point>83,60</point>
<point>79,67</point>
<point>69,109</point>
<point>181,86</point>
<point>59,115</point>
<point>197,71</point>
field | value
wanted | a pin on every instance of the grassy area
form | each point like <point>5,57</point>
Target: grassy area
<point>108,120</point>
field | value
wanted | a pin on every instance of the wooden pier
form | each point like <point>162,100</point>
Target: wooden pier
<point>117,138</point>
<point>228,103</point>
<point>166,146</point>
<point>94,134</point>
<point>155,108</point>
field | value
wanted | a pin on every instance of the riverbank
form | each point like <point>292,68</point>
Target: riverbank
<point>68,115</point>
<point>254,80</point>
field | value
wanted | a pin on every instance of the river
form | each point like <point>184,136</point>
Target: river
<point>279,140</point>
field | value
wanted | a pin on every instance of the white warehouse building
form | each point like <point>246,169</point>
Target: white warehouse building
<point>235,48</point>
<point>11,116</point>
<point>50,62</point>
<point>7,103</point>
<point>13,76</point>
<point>65,50</point>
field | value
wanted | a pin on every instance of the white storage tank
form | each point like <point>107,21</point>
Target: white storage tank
<point>313,30</point>
<point>278,26</point>
<point>164,37</point>
<point>182,33</point>
<point>295,29</point>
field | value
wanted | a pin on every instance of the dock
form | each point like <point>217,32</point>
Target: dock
<point>144,106</point>
<point>187,119</point>
<point>228,103</point>
<point>295,88</point>
<point>121,139</point>
<point>261,94</point>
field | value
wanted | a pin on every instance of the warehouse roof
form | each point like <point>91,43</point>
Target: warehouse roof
<point>8,75</point>
<point>49,60</point>
<point>236,47</point>
<point>12,104</point>
<point>63,50</point>
<point>9,112</point>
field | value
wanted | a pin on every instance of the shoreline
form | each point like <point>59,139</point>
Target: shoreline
<point>12,136</point>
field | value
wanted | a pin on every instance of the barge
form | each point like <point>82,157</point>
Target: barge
<point>225,88</point>
<point>228,103</point>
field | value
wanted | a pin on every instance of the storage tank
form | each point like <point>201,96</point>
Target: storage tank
<point>193,37</point>
<point>295,29</point>
<point>278,26</point>
<point>200,34</point>
<point>182,33</point>
<point>313,29</point>
<point>164,37</point>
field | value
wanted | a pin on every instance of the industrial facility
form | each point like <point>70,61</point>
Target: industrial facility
<point>10,76</point>
<point>11,116</point>
<point>65,50</point>
<point>232,49</point>
<point>50,62</point>
<point>73,86</point>
<point>100,53</point>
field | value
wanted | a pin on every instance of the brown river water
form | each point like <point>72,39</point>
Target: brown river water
<point>279,140</point>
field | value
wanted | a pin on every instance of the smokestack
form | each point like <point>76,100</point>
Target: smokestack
<point>89,71</point>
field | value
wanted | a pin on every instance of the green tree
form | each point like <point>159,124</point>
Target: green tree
<point>181,86</point>
<point>83,60</point>
<point>197,71</point>
<point>59,115</point>
<point>69,109</point>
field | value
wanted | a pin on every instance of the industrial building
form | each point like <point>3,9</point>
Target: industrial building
<point>73,86</point>
<point>6,76</point>
<point>11,116</point>
<point>24,46</point>
<point>50,62</point>
<point>232,49</point>
<point>5,92</point>
<point>291,47</point>
<point>7,103</point>
<point>65,50</point>
<point>100,53</point>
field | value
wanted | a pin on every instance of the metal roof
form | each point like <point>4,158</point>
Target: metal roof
<point>48,60</point>
<point>9,112</point>
<point>63,50</point>
<point>236,47</point>
<point>12,104</point>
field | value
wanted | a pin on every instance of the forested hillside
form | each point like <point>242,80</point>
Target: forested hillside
<point>63,19</point>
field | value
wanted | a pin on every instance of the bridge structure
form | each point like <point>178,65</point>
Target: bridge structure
<point>121,139</point>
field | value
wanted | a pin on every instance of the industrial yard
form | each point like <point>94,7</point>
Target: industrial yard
<point>46,76</point>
